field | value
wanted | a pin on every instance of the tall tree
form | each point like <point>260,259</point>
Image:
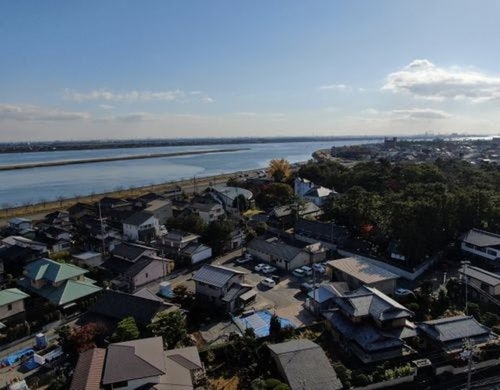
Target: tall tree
<point>171,326</point>
<point>279,169</point>
<point>126,330</point>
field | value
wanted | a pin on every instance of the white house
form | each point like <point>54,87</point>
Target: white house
<point>226,195</point>
<point>209,212</point>
<point>161,209</point>
<point>306,189</point>
<point>12,304</point>
<point>141,224</point>
<point>197,252</point>
<point>20,224</point>
<point>483,244</point>
<point>93,259</point>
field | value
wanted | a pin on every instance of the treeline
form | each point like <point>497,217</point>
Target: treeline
<point>416,209</point>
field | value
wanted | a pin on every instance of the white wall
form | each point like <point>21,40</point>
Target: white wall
<point>17,307</point>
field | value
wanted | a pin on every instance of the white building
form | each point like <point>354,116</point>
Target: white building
<point>483,244</point>
<point>141,224</point>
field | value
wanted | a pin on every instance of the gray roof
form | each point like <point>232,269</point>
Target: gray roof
<point>305,365</point>
<point>206,207</point>
<point>306,208</point>
<point>482,275</point>
<point>362,270</point>
<point>180,364</point>
<point>322,230</point>
<point>275,248</point>
<point>453,328</point>
<point>129,251</point>
<point>368,301</point>
<point>214,275</point>
<point>481,238</point>
<point>135,359</point>
<point>138,218</point>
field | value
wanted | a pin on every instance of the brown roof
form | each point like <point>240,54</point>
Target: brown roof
<point>135,359</point>
<point>88,370</point>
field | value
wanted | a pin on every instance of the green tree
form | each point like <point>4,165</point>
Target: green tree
<point>126,330</point>
<point>241,203</point>
<point>171,326</point>
<point>279,169</point>
<point>216,235</point>
<point>275,328</point>
<point>274,194</point>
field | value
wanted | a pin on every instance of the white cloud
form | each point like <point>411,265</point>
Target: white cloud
<point>24,112</point>
<point>422,79</point>
<point>207,99</point>
<point>421,114</point>
<point>335,87</point>
<point>129,96</point>
<point>370,111</point>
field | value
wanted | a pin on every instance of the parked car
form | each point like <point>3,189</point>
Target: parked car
<point>269,269</point>
<point>276,278</point>
<point>268,282</point>
<point>318,268</point>
<point>403,292</point>
<point>307,270</point>
<point>259,267</point>
<point>245,259</point>
<point>299,273</point>
<point>307,287</point>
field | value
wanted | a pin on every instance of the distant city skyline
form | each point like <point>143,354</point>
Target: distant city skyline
<point>165,69</point>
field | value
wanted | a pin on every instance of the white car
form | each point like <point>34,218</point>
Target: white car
<point>268,282</point>
<point>299,273</point>
<point>245,259</point>
<point>259,267</point>
<point>319,268</point>
<point>268,269</point>
<point>403,292</point>
<point>307,270</point>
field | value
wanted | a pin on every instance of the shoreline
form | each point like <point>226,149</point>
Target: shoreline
<point>187,185</point>
<point>116,158</point>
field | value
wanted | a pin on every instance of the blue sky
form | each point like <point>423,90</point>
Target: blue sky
<point>134,69</point>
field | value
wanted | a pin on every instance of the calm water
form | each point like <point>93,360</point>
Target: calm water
<point>33,185</point>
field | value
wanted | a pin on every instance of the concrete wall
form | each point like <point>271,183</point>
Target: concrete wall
<point>16,308</point>
<point>154,271</point>
<point>202,255</point>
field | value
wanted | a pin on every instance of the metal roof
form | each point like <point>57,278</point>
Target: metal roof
<point>362,270</point>
<point>11,295</point>
<point>453,328</point>
<point>138,219</point>
<point>275,248</point>
<point>480,274</point>
<point>214,275</point>
<point>481,238</point>
<point>52,270</point>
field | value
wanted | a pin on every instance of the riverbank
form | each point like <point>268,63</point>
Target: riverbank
<point>116,158</point>
<point>37,210</point>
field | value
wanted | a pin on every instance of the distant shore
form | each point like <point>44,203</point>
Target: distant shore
<point>117,158</point>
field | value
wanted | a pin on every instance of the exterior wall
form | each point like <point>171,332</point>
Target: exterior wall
<point>131,232</point>
<point>163,214</point>
<point>93,261</point>
<point>154,271</point>
<point>214,294</point>
<point>492,290</point>
<point>298,261</point>
<point>486,252</point>
<point>16,308</point>
<point>137,383</point>
<point>201,255</point>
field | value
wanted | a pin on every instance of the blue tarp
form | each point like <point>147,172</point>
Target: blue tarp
<point>259,322</point>
<point>15,357</point>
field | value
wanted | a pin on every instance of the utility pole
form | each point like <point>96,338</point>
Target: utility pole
<point>102,230</point>
<point>465,264</point>
<point>468,354</point>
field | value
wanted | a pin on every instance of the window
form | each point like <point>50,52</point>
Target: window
<point>147,275</point>
<point>9,307</point>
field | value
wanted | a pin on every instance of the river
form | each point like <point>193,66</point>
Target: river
<point>50,183</point>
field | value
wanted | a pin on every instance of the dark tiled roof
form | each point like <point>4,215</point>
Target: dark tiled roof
<point>138,218</point>
<point>118,305</point>
<point>138,266</point>
<point>481,238</point>
<point>214,275</point>
<point>128,251</point>
<point>322,230</point>
<point>134,360</point>
<point>275,248</point>
<point>88,370</point>
<point>305,365</point>
<point>454,328</point>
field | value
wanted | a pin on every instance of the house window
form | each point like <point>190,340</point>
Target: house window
<point>147,275</point>
<point>9,307</point>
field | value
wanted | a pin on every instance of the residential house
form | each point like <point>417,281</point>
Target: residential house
<point>62,284</point>
<point>357,272</point>
<point>20,225</point>
<point>481,280</point>
<point>133,364</point>
<point>483,245</point>
<point>161,209</point>
<point>15,257</point>
<point>80,210</point>
<point>57,218</point>
<point>311,192</point>
<point>220,286</point>
<point>25,243</point>
<point>195,252</point>
<point>141,226</point>
<point>12,305</point>
<point>304,365</point>
<point>88,371</point>
<point>370,325</point>
<point>116,305</point>
<point>227,196</point>
<point>286,216</point>
<point>89,259</point>
<point>138,364</point>
<point>176,240</point>
<point>329,234</point>
<point>285,256</point>
<point>321,298</point>
<point>56,238</point>
<point>132,252</point>
<point>448,334</point>
<point>209,212</point>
